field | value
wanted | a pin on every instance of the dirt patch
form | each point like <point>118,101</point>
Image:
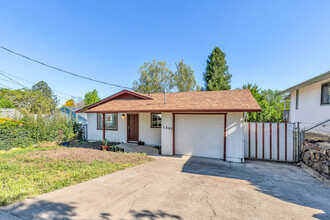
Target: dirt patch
<point>89,155</point>
<point>90,145</point>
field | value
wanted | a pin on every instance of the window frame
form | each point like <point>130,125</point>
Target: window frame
<point>151,117</point>
<point>327,83</point>
<point>103,122</point>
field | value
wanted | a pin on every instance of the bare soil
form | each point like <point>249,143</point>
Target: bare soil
<point>89,145</point>
<point>89,155</point>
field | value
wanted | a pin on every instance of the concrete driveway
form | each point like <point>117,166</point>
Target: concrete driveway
<point>186,188</point>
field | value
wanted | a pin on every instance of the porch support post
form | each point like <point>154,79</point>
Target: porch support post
<point>103,126</point>
<point>224,138</point>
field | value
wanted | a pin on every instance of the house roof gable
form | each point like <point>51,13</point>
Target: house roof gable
<point>124,94</point>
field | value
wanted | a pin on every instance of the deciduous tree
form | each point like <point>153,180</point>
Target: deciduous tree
<point>155,77</point>
<point>272,105</point>
<point>43,87</point>
<point>91,97</point>
<point>5,103</point>
<point>184,79</point>
<point>70,103</point>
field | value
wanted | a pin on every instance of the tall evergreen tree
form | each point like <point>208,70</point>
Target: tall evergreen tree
<point>184,78</point>
<point>217,76</point>
<point>155,77</point>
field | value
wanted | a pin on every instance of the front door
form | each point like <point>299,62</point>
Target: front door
<point>132,127</point>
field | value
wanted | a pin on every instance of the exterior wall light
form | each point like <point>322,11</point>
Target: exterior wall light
<point>123,116</point>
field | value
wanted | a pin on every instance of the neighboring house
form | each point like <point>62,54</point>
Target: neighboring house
<point>71,111</point>
<point>206,123</point>
<point>10,113</point>
<point>310,102</point>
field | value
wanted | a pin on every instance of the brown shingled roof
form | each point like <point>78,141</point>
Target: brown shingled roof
<point>201,101</point>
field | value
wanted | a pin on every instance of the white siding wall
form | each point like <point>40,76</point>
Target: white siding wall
<point>92,133</point>
<point>235,137</point>
<point>310,111</point>
<point>97,135</point>
<point>167,133</point>
<point>150,136</point>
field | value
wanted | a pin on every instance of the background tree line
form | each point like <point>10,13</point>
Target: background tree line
<point>156,76</point>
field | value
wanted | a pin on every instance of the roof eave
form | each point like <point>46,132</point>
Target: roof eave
<point>307,82</point>
<point>111,97</point>
<point>179,110</point>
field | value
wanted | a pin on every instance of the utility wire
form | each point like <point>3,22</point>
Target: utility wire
<point>15,82</point>
<point>64,71</point>
<point>35,83</point>
<point>8,81</point>
<point>12,80</point>
<point>5,86</point>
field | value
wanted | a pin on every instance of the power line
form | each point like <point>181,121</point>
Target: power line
<point>35,83</point>
<point>5,86</point>
<point>12,80</point>
<point>8,81</point>
<point>64,71</point>
<point>15,82</point>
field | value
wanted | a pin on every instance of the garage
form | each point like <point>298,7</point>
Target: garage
<point>199,135</point>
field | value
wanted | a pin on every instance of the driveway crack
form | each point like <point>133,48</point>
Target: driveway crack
<point>207,201</point>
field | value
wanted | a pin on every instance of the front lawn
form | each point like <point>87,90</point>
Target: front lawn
<point>29,172</point>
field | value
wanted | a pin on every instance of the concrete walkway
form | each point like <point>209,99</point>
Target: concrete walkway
<point>186,188</point>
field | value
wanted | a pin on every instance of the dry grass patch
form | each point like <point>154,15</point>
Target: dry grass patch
<point>25,173</point>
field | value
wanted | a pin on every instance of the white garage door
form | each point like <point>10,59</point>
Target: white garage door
<point>199,135</point>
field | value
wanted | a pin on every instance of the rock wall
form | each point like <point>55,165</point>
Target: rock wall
<point>317,156</point>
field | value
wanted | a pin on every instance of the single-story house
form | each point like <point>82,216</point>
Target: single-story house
<point>310,103</point>
<point>202,123</point>
<point>71,112</point>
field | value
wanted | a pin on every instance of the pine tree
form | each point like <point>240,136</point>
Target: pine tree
<point>184,78</point>
<point>217,76</point>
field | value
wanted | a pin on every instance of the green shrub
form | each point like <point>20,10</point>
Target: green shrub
<point>32,129</point>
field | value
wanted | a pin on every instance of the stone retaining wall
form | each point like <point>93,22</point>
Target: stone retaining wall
<point>317,156</point>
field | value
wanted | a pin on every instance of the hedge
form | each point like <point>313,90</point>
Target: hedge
<point>32,129</point>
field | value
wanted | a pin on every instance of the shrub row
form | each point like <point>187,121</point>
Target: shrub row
<point>32,129</point>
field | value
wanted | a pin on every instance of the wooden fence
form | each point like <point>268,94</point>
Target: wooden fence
<point>270,141</point>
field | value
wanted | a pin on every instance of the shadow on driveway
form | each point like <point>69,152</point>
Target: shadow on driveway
<point>283,181</point>
<point>39,210</point>
<point>59,211</point>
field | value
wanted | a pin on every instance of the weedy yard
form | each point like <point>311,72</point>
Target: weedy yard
<point>28,172</point>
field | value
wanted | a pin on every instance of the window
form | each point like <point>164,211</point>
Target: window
<point>297,98</point>
<point>325,93</point>
<point>100,121</point>
<point>110,123</point>
<point>156,120</point>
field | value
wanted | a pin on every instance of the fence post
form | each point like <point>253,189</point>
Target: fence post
<point>298,139</point>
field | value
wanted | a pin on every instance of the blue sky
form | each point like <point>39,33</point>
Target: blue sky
<point>274,44</point>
